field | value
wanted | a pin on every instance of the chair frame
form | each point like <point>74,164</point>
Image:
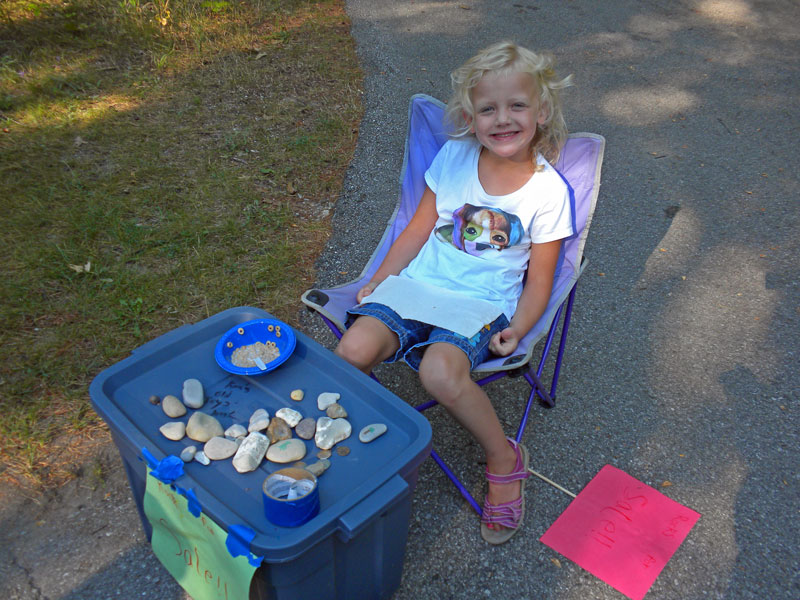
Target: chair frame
<point>561,303</point>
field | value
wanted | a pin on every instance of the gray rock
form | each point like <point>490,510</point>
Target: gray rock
<point>173,407</point>
<point>220,448</point>
<point>370,432</point>
<point>306,428</point>
<point>278,430</point>
<point>174,430</point>
<point>193,395</point>
<point>202,427</point>
<point>336,411</point>
<point>325,399</point>
<point>331,431</point>
<point>187,454</point>
<point>251,452</point>
<point>290,415</point>
<point>200,457</point>
<point>259,420</point>
<point>319,467</point>
<point>287,451</point>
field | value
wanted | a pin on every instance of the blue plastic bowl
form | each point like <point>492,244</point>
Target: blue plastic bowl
<point>250,332</point>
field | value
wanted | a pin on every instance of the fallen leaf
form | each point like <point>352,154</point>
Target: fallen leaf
<point>81,268</point>
<point>666,484</point>
<point>556,562</point>
<point>260,55</point>
<point>79,141</point>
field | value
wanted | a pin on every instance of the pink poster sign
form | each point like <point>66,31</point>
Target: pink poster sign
<point>621,531</point>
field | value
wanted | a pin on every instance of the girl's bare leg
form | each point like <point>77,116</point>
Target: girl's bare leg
<point>367,343</point>
<point>445,374</point>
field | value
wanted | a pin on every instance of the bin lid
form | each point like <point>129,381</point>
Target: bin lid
<point>121,393</point>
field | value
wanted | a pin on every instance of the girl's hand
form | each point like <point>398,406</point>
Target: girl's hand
<point>504,342</point>
<point>366,291</point>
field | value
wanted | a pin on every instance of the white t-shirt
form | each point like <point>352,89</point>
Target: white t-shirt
<point>472,266</point>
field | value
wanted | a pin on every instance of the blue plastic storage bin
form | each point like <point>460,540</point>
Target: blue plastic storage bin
<point>355,546</point>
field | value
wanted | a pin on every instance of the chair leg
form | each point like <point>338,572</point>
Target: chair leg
<point>455,480</point>
<point>562,342</point>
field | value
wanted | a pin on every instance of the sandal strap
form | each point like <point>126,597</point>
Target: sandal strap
<point>519,472</point>
<point>507,514</point>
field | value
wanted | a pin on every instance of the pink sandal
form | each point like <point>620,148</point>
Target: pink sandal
<point>507,515</point>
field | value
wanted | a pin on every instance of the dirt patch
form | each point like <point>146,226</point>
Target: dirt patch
<point>82,540</point>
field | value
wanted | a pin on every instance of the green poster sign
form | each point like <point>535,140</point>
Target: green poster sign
<point>193,548</point>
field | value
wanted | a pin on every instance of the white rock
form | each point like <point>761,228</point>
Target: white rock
<point>173,407</point>
<point>325,399</point>
<point>220,448</point>
<point>202,427</point>
<point>290,415</point>
<point>251,452</point>
<point>287,451</point>
<point>235,431</point>
<point>259,420</point>
<point>297,395</point>
<point>200,457</point>
<point>331,431</point>
<point>187,454</point>
<point>193,395</point>
<point>174,430</point>
<point>370,432</point>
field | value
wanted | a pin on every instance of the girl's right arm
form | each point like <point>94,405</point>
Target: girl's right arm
<point>408,243</point>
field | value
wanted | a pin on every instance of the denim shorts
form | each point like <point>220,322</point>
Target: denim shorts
<point>414,336</point>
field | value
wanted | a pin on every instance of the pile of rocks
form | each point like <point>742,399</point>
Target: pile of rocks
<point>262,437</point>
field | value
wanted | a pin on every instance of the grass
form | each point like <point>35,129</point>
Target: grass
<point>159,162</point>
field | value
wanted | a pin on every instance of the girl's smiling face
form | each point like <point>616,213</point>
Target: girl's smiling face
<point>507,112</point>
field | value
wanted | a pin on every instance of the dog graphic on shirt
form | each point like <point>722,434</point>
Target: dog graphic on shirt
<point>480,230</point>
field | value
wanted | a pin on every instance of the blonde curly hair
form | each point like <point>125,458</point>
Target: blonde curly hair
<point>503,58</point>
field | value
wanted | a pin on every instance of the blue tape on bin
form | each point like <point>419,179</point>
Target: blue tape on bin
<point>238,543</point>
<point>291,497</point>
<point>167,470</point>
<point>192,503</point>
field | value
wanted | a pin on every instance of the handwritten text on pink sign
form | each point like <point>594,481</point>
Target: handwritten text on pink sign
<point>621,531</point>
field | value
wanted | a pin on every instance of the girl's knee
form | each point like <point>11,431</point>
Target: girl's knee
<point>444,374</point>
<point>355,352</point>
<point>366,344</point>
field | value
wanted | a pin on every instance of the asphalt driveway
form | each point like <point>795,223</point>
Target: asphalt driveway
<point>681,365</point>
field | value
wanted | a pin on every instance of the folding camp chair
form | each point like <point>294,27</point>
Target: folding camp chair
<point>579,164</point>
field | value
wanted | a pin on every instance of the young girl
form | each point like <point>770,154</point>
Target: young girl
<point>450,290</point>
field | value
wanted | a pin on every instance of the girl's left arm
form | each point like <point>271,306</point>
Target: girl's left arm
<point>534,298</point>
